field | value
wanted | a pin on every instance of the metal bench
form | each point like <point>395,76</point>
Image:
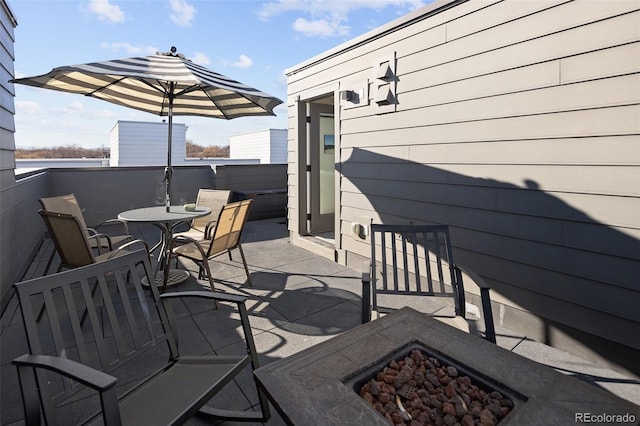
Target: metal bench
<point>126,349</point>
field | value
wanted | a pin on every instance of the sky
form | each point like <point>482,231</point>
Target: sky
<point>251,41</point>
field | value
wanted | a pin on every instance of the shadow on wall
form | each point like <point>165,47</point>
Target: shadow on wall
<point>575,273</point>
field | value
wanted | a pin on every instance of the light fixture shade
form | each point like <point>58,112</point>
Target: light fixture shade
<point>384,71</point>
<point>384,96</point>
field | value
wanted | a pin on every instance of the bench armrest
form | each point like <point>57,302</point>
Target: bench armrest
<point>90,377</point>
<point>222,297</point>
<point>487,311</point>
<point>81,373</point>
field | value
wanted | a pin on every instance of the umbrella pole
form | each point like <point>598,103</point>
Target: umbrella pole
<point>168,171</point>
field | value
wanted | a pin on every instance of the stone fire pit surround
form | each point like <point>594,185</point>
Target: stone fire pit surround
<point>308,388</point>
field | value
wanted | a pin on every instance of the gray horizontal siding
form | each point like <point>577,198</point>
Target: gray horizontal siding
<point>517,123</point>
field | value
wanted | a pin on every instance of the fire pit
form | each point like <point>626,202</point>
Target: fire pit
<point>434,389</point>
<point>315,387</point>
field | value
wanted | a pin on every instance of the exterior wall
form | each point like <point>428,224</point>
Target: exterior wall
<point>137,143</point>
<point>251,177</point>
<point>11,243</point>
<point>103,192</point>
<point>516,123</point>
<point>269,145</point>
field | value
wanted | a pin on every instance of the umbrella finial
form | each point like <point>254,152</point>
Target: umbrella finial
<point>171,52</point>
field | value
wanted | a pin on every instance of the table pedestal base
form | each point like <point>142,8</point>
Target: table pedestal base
<point>176,276</point>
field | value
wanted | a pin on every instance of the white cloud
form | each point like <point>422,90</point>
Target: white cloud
<point>129,49</point>
<point>200,59</point>
<point>183,12</point>
<point>243,62</point>
<point>321,27</point>
<point>105,11</point>
<point>27,107</point>
<point>329,18</point>
<point>76,106</point>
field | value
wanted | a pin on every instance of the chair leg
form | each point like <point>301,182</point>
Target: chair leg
<point>487,313</point>
<point>46,269</point>
<point>205,264</point>
<point>166,269</point>
<point>244,262</point>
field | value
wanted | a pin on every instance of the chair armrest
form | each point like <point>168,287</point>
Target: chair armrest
<point>115,222</point>
<point>366,292</point>
<point>209,227</point>
<point>487,311</point>
<point>99,237</point>
<point>126,246</point>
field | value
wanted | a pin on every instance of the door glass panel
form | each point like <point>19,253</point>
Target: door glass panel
<point>327,167</point>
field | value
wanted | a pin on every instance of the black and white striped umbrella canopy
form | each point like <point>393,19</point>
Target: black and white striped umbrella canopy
<point>153,83</point>
<point>164,84</point>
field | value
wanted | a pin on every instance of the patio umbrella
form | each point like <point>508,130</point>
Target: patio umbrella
<point>164,84</point>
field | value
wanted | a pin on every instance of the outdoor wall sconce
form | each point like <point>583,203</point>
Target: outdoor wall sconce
<point>357,94</point>
<point>384,83</point>
<point>348,95</point>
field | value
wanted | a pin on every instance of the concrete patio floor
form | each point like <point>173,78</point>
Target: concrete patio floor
<point>298,299</point>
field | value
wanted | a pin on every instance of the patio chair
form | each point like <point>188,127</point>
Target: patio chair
<point>417,260</point>
<point>124,363</point>
<point>68,204</point>
<point>200,228</point>
<point>225,237</point>
<point>72,243</point>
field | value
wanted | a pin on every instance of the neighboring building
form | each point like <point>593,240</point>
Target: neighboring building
<point>269,146</point>
<point>516,123</point>
<point>141,143</point>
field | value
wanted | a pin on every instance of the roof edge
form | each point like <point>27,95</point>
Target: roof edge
<point>7,7</point>
<point>417,15</point>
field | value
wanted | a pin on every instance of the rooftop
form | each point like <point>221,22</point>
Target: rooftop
<point>298,300</point>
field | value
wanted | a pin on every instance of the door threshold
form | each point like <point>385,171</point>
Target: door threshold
<point>319,245</point>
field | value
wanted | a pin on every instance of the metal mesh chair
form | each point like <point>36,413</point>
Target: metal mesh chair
<point>68,204</point>
<point>225,237</point>
<point>200,228</point>
<point>72,242</point>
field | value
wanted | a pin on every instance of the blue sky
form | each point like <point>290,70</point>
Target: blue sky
<point>251,41</point>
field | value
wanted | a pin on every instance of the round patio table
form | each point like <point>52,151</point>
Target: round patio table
<point>166,221</point>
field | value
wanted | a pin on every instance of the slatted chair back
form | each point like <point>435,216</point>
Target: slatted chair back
<point>415,260</point>
<point>122,322</point>
<point>229,227</point>
<point>70,239</point>
<point>215,199</point>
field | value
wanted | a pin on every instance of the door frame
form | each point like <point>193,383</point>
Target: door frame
<point>302,155</point>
